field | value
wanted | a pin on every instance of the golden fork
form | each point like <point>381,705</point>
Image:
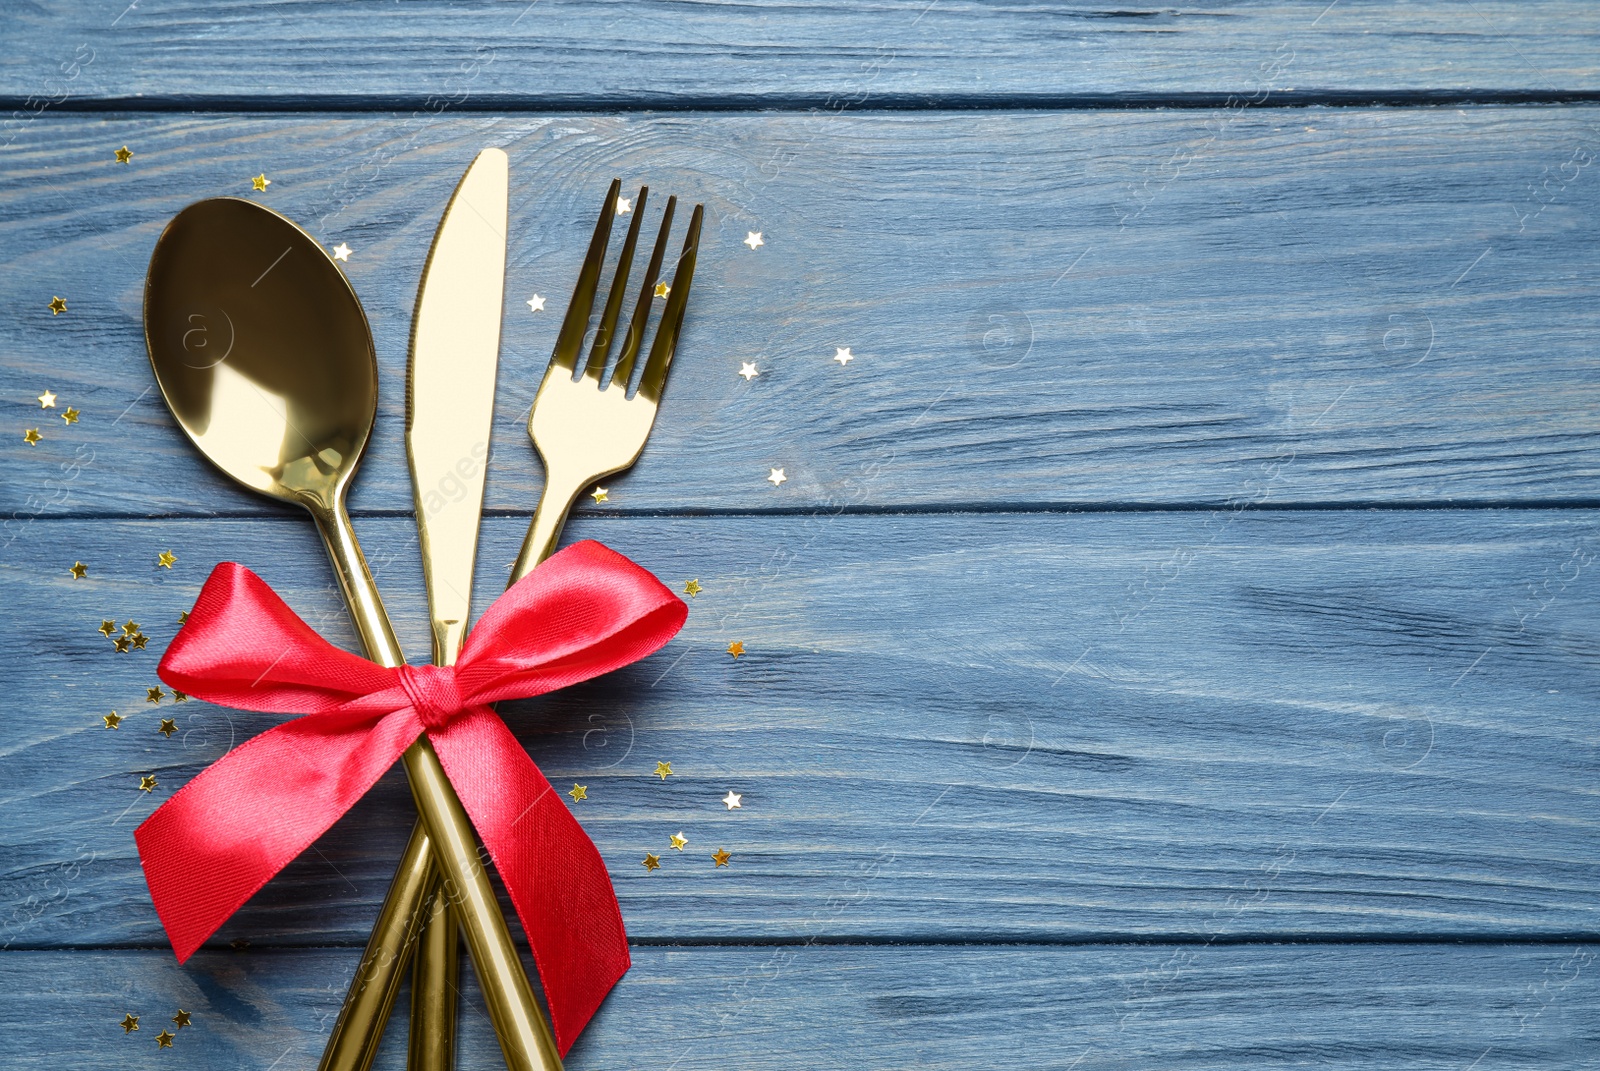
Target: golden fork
<point>585,429</point>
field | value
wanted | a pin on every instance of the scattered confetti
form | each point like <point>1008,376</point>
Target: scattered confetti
<point>776,477</point>
<point>598,494</point>
<point>129,627</point>
<point>167,728</point>
<point>663,770</point>
<point>112,720</point>
<point>678,840</point>
<point>260,182</point>
<point>70,415</point>
<point>138,639</point>
<point>341,252</point>
<point>736,648</point>
<point>652,861</point>
<point>147,783</point>
<point>107,628</point>
<point>579,792</point>
<point>153,695</point>
<point>31,436</point>
<point>165,559</point>
<point>624,206</point>
<point>843,355</point>
<point>130,1023</point>
<point>57,306</point>
<point>662,290</point>
<point>182,1018</point>
<point>753,239</point>
<point>164,1039</point>
<point>536,303</point>
<point>732,799</point>
<point>692,588</point>
<point>124,155</point>
<point>78,570</point>
<point>123,644</point>
<point>47,400</point>
<point>183,617</point>
<point>747,369</point>
<point>722,855</point>
<point>179,697</point>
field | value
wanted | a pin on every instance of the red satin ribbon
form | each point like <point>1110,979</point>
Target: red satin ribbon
<point>584,612</point>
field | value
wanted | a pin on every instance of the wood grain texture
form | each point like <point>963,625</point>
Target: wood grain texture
<point>987,727</point>
<point>1088,1009</point>
<point>755,52</point>
<point>1308,306</point>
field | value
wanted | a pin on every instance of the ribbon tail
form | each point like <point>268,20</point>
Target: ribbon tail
<point>225,834</point>
<point>557,880</point>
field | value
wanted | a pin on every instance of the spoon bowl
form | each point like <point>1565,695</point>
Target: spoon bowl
<point>262,350</point>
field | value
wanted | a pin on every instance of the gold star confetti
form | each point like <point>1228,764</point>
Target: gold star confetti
<point>753,240</point>
<point>536,303</point>
<point>165,559</point>
<point>107,628</point>
<point>736,648</point>
<point>112,720</point>
<point>147,783</point>
<point>692,588</point>
<point>579,792</point>
<point>722,855</point>
<point>123,644</point>
<point>182,1018</point>
<point>732,799</point>
<point>164,1039</point>
<point>598,494</point>
<point>31,436</point>
<point>78,570</point>
<point>260,182</point>
<point>747,369</point>
<point>153,695</point>
<point>130,1023</point>
<point>70,415</point>
<point>662,290</point>
<point>652,861</point>
<point>138,639</point>
<point>47,400</point>
<point>183,617</point>
<point>129,627</point>
<point>124,155</point>
<point>624,206</point>
<point>776,477</point>
<point>843,355</point>
<point>678,840</point>
<point>167,727</point>
<point>179,697</point>
<point>57,306</point>
<point>342,252</point>
<point>663,770</point>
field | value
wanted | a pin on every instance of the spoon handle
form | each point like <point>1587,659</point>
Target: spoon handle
<point>524,1037</point>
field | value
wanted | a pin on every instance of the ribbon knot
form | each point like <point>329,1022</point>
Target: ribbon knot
<point>584,612</point>
<point>433,692</point>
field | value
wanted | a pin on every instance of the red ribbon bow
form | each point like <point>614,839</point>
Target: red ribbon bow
<point>584,612</point>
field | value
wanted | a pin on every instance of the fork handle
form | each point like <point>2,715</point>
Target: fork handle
<point>555,502</point>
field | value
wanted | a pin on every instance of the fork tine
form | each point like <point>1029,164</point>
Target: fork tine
<point>641,312</point>
<point>619,286</point>
<point>576,324</point>
<point>655,369</point>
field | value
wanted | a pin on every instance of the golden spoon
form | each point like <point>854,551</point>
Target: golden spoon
<point>264,356</point>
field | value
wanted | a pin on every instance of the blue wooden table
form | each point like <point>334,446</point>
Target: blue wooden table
<point>1175,643</point>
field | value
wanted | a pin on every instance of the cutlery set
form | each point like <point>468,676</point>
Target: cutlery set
<point>264,355</point>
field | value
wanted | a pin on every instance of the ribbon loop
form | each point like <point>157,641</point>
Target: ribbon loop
<point>433,692</point>
<point>220,838</point>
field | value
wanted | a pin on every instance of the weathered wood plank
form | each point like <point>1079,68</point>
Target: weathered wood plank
<point>755,52</point>
<point>1309,306</point>
<point>1370,1006</point>
<point>973,727</point>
